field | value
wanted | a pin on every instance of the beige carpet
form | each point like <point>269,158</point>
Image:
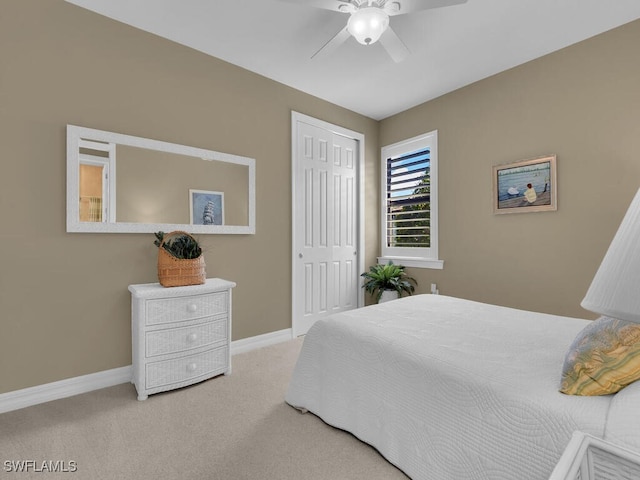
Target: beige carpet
<point>229,427</point>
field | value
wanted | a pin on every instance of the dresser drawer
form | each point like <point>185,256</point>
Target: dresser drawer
<point>161,342</point>
<point>182,369</point>
<point>168,310</point>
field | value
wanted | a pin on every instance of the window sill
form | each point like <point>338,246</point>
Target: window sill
<point>416,262</point>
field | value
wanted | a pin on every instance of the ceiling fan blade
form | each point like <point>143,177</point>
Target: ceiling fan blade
<point>334,5</point>
<point>395,47</point>
<point>329,47</point>
<point>400,7</point>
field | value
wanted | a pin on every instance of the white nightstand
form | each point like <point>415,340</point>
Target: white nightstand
<point>589,458</point>
<point>180,335</point>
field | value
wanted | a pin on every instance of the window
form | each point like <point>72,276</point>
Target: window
<point>409,193</point>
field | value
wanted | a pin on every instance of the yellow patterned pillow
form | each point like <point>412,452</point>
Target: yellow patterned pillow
<point>603,359</point>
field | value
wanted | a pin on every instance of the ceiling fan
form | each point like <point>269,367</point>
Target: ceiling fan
<point>369,21</point>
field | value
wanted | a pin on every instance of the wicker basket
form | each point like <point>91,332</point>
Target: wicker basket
<point>178,272</point>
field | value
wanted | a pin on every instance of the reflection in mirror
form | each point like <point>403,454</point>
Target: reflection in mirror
<point>96,160</point>
<point>120,183</point>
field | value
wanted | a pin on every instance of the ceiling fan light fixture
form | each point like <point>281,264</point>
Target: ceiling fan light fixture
<point>368,24</point>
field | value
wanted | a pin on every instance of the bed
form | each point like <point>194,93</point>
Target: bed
<point>452,389</point>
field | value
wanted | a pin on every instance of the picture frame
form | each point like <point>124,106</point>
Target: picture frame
<point>206,207</point>
<point>525,186</point>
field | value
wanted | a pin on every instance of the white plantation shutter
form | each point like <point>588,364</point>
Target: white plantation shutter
<point>409,206</point>
<point>408,200</point>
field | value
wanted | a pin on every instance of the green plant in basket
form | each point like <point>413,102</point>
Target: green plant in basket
<point>387,277</point>
<point>181,246</point>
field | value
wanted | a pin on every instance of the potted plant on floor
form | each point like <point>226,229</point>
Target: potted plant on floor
<point>388,282</point>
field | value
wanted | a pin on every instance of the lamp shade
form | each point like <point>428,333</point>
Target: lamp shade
<point>368,24</point>
<point>615,289</point>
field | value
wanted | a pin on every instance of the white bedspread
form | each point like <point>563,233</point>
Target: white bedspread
<point>448,389</point>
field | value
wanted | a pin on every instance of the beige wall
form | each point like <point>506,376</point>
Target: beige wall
<point>64,304</point>
<point>582,104</point>
<point>153,186</point>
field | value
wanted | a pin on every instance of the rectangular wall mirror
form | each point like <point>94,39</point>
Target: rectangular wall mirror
<point>124,184</point>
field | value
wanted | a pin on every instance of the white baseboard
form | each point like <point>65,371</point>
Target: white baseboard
<point>259,341</point>
<point>108,378</point>
<point>63,388</point>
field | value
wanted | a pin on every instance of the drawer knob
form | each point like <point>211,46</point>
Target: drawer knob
<point>192,337</point>
<point>192,367</point>
<point>192,307</point>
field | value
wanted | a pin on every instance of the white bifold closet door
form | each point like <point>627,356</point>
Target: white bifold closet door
<point>325,236</point>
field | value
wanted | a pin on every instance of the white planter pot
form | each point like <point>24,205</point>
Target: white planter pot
<point>388,295</point>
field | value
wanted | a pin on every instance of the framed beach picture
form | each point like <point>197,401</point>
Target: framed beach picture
<point>525,186</point>
<point>206,208</point>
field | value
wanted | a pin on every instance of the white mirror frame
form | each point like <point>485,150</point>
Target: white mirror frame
<point>75,133</point>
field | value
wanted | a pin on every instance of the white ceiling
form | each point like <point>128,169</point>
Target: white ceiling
<point>450,47</point>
